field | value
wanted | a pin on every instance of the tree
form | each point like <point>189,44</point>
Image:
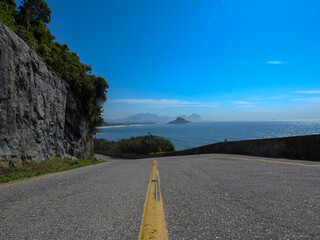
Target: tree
<point>33,11</point>
<point>101,87</point>
<point>9,3</point>
<point>7,12</point>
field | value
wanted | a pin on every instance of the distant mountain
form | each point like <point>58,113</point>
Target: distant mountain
<point>179,120</point>
<point>148,117</point>
<point>193,117</point>
<point>142,117</point>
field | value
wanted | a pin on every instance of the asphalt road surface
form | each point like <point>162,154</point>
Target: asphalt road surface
<point>205,197</point>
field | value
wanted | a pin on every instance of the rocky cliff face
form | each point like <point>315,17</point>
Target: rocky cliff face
<point>39,116</point>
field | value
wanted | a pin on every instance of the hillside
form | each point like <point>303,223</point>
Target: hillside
<point>50,102</point>
<point>40,116</point>
<point>29,21</point>
<point>148,117</point>
<point>179,120</point>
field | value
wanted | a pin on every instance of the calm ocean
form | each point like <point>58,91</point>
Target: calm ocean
<point>198,134</point>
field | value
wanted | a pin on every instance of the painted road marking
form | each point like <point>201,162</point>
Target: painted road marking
<point>153,225</point>
<point>44,176</point>
<point>157,189</point>
<point>273,161</point>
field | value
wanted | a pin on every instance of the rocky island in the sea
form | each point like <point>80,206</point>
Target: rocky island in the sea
<point>179,120</point>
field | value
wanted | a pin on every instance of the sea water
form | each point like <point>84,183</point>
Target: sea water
<point>198,134</point>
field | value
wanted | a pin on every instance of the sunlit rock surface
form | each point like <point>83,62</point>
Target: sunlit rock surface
<point>39,116</point>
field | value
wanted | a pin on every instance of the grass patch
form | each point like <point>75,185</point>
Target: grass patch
<point>155,153</point>
<point>32,169</point>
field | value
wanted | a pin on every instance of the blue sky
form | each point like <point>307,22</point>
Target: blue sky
<point>225,60</point>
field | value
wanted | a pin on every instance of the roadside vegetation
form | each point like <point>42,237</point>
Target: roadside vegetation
<point>29,21</point>
<point>32,169</point>
<point>143,145</point>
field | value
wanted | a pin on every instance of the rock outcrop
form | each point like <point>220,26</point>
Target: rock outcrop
<point>179,120</point>
<point>39,116</point>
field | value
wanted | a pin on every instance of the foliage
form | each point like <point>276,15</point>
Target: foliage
<point>32,11</point>
<point>139,145</point>
<point>32,169</point>
<point>29,22</point>
<point>7,13</point>
<point>9,3</point>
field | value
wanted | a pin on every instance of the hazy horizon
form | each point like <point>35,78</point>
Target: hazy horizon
<point>213,120</point>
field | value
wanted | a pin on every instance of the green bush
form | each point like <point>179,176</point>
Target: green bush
<point>137,145</point>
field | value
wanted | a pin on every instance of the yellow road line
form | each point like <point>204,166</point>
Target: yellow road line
<point>273,161</point>
<point>153,224</point>
<point>44,176</point>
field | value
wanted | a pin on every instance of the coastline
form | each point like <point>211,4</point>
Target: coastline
<point>297,147</point>
<point>203,133</point>
<point>125,124</point>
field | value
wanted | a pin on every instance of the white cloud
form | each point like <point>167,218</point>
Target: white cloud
<point>308,92</point>
<point>211,105</point>
<point>246,103</point>
<point>311,100</point>
<point>154,101</point>
<point>276,62</point>
<point>166,102</point>
<point>242,102</point>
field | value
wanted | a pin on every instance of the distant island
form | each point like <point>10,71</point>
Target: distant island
<point>148,117</point>
<point>179,120</point>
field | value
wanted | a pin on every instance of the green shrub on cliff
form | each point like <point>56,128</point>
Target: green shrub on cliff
<point>138,145</point>
<point>7,13</point>
<point>30,23</point>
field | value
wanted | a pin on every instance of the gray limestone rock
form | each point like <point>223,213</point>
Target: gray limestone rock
<point>39,116</point>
